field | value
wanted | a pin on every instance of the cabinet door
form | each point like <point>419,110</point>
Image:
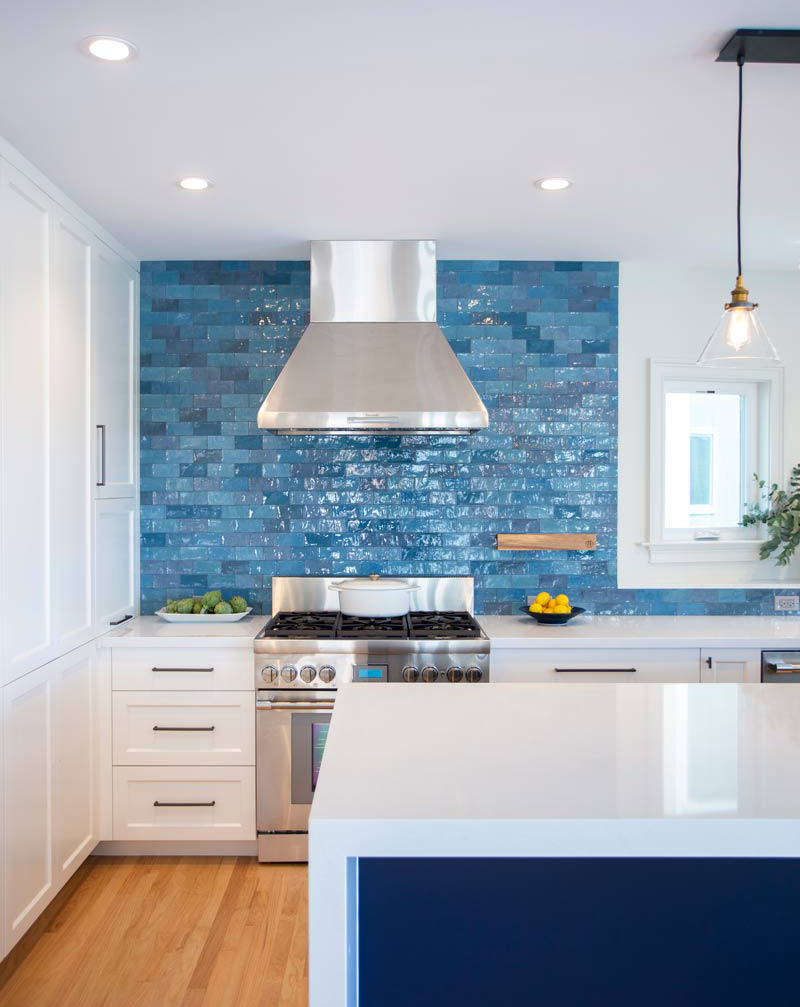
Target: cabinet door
<point>75,753</point>
<point>25,214</point>
<point>28,869</point>
<point>728,665</point>
<point>70,440</point>
<point>594,664</point>
<point>114,349</point>
<point>116,560</point>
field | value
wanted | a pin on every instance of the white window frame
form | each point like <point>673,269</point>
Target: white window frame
<point>765,446</point>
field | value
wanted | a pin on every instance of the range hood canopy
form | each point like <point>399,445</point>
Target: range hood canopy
<point>373,360</point>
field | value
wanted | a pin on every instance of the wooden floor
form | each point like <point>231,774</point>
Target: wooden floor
<point>167,932</point>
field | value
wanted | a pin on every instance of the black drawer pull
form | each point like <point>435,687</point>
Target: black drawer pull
<point>184,804</point>
<point>118,622</point>
<point>596,671</point>
<point>188,670</point>
<point>184,728</point>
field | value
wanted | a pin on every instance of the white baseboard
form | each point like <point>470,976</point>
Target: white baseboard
<point>172,848</point>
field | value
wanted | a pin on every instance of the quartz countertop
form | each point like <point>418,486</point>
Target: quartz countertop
<point>540,770</point>
<point>775,633</point>
<point>150,631</point>
<point>501,770</point>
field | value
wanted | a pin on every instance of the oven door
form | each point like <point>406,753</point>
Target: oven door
<point>290,740</point>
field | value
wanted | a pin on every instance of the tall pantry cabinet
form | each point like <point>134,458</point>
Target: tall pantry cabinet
<point>68,527</point>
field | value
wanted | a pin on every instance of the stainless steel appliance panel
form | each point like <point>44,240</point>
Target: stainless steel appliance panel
<point>781,667</point>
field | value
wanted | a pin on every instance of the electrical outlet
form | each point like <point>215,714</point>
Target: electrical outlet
<point>787,603</point>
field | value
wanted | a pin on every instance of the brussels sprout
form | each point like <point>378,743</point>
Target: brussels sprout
<point>222,608</point>
<point>211,598</point>
<point>238,603</point>
<point>197,608</point>
<point>171,606</point>
<point>185,606</point>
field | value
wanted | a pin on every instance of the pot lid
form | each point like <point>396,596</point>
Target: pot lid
<point>374,583</point>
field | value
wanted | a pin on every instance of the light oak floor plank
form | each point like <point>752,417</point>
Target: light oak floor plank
<point>167,932</point>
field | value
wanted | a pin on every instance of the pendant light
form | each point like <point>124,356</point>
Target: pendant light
<point>739,335</point>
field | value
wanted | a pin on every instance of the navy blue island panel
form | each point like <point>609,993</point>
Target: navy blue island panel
<point>646,932</point>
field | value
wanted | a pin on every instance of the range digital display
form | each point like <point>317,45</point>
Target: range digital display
<point>376,673</point>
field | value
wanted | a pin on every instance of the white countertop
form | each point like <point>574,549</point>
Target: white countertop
<point>776,633</point>
<point>555,771</point>
<point>496,770</point>
<point>150,631</point>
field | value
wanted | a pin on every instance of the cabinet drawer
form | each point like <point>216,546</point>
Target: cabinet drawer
<point>184,728</point>
<point>184,802</point>
<point>178,668</point>
<point>617,664</point>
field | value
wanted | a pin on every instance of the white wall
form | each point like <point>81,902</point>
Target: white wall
<point>669,311</point>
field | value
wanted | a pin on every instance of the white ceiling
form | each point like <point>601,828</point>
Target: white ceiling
<point>375,118</point>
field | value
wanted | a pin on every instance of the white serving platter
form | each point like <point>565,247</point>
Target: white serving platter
<point>162,613</point>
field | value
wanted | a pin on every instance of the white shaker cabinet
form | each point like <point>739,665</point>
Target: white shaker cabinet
<point>25,483</point>
<point>730,665</point>
<point>28,743</point>
<point>68,421</point>
<point>52,726</point>
<point>114,349</point>
<point>70,435</point>
<point>116,546</point>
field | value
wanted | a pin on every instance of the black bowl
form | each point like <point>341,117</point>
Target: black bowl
<point>551,619</point>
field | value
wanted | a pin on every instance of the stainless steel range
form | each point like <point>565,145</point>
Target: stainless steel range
<point>309,649</point>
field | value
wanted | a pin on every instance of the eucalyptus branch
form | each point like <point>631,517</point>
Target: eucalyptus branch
<point>779,510</point>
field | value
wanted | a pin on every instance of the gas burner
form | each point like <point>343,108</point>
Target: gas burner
<point>442,626</point>
<point>353,627</point>
<point>303,625</point>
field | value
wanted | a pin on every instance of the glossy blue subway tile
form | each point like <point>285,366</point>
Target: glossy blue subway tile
<point>224,504</point>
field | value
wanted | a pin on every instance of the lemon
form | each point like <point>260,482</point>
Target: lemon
<point>562,599</point>
<point>536,607</point>
<point>561,610</point>
<point>542,598</point>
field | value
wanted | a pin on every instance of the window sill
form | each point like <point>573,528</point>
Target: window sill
<point>694,551</point>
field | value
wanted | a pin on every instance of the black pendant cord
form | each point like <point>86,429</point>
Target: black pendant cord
<point>740,62</point>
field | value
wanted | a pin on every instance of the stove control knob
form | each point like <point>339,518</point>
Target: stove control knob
<point>429,673</point>
<point>454,674</point>
<point>269,673</point>
<point>410,674</point>
<point>327,673</point>
<point>308,673</point>
<point>474,674</point>
<point>288,673</point>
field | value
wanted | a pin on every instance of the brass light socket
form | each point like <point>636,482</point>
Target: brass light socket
<point>740,296</point>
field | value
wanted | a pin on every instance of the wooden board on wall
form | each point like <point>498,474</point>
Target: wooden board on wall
<point>532,543</point>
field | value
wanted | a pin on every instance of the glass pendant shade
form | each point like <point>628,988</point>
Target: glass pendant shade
<point>739,335</point>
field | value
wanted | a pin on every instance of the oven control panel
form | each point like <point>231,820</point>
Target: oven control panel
<point>321,671</point>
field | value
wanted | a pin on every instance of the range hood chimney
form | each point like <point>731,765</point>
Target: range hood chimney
<point>373,360</point>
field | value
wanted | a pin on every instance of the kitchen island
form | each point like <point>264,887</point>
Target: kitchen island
<point>534,844</point>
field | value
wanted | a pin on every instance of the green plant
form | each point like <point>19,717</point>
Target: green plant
<point>779,510</point>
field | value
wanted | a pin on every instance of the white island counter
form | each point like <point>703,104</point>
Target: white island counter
<point>540,771</point>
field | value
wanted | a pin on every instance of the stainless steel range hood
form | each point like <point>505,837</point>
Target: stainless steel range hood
<point>373,360</point>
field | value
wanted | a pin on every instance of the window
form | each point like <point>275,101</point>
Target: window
<point>712,428</point>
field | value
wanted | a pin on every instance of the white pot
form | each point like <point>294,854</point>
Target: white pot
<point>372,596</point>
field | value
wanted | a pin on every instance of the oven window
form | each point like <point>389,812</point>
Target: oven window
<point>319,735</point>
<point>309,733</point>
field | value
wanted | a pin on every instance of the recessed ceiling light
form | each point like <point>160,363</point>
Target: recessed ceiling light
<point>552,184</point>
<point>108,47</point>
<point>194,183</point>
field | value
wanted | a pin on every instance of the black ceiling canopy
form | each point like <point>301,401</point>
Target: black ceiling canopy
<point>762,45</point>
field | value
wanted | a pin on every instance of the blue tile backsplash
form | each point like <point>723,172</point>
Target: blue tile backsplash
<point>224,505</point>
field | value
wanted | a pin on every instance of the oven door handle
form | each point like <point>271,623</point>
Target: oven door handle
<point>316,707</point>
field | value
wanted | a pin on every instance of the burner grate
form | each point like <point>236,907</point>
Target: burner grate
<point>442,626</point>
<point>303,625</point>
<point>354,627</point>
<point>333,626</point>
